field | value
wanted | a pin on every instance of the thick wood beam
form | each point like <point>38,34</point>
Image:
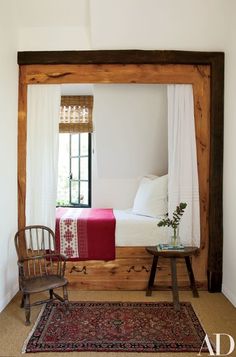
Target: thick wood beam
<point>117,57</point>
<point>216,176</point>
<point>107,73</point>
<point>22,140</point>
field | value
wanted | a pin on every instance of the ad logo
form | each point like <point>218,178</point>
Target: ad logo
<point>218,345</point>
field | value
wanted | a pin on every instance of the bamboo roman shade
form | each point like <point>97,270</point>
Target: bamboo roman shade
<point>76,114</point>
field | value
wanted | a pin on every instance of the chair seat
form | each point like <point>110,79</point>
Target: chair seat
<point>45,282</point>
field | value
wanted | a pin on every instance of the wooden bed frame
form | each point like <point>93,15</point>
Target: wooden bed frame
<point>205,71</point>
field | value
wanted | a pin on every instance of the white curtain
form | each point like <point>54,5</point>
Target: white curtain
<point>182,161</point>
<point>43,109</point>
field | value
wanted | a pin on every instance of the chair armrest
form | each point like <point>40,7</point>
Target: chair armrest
<point>62,256</point>
<point>52,258</point>
<point>20,263</point>
<point>46,256</point>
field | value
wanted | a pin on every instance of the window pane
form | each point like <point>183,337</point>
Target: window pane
<point>84,193</point>
<point>63,170</point>
<point>84,168</point>
<point>74,144</point>
<point>74,168</point>
<point>84,144</point>
<point>63,191</point>
<point>74,192</point>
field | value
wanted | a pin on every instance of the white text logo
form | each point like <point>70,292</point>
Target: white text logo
<point>218,345</point>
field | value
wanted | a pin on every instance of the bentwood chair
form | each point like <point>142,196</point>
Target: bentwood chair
<point>40,267</point>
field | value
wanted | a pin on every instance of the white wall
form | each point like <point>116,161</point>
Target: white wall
<point>130,140</point>
<point>8,161</point>
<point>159,24</point>
<point>229,248</point>
<point>53,25</point>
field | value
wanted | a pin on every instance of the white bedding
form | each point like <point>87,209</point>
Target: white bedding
<point>137,230</point>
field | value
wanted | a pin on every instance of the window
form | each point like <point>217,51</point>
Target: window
<point>74,162</point>
<point>74,170</point>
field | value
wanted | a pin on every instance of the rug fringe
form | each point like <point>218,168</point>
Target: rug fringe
<point>33,329</point>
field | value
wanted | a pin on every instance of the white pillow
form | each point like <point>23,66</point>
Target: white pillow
<point>150,177</point>
<point>151,197</point>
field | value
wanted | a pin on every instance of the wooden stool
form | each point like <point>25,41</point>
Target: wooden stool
<point>172,255</point>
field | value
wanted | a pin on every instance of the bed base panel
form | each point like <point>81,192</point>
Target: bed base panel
<point>130,271</point>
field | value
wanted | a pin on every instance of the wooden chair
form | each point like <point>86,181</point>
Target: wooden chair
<point>40,267</point>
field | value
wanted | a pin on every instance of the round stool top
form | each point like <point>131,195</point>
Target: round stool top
<point>187,251</point>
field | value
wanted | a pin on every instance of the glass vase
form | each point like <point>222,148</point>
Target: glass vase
<point>175,239</point>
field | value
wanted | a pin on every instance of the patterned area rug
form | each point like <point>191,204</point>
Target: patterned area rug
<point>116,326</point>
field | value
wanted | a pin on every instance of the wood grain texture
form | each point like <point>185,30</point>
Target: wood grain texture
<point>216,176</point>
<point>107,73</point>
<point>201,91</point>
<point>129,271</point>
<point>22,139</point>
<point>205,70</point>
<point>117,57</point>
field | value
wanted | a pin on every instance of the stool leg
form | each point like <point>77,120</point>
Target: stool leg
<point>152,276</point>
<point>174,284</point>
<point>191,277</point>
<point>51,293</point>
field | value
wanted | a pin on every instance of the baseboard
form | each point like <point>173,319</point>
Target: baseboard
<point>7,298</point>
<point>230,296</point>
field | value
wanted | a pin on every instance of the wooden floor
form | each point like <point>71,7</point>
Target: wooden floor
<point>214,311</point>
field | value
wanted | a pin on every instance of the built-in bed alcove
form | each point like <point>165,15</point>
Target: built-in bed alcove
<point>205,71</point>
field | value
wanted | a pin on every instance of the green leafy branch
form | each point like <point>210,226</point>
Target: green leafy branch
<point>175,221</point>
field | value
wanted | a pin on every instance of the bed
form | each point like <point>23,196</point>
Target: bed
<point>134,230</point>
<point>129,269</point>
<point>113,254</point>
<point>127,230</point>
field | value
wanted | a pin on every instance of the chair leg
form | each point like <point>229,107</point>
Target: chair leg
<point>27,309</point>
<point>65,296</point>
<point>22,304</point>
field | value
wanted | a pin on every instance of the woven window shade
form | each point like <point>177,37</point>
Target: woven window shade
<point>76,114</point>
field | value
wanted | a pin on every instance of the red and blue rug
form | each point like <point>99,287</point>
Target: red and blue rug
<point>116,326</point>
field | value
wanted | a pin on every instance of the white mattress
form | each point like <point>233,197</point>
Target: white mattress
<point>137,230</point>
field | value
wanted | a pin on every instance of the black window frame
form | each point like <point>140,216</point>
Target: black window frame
<point>70,177</point>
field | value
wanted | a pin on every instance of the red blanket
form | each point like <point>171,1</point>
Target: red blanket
<point>85,233</point>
